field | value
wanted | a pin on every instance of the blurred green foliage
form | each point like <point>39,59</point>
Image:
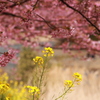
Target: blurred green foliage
<point>26,65</point>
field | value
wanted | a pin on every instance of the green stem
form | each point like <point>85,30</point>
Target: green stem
<point>65,91</point>
<point>33,96</point>
<point>63,97</point>
<point>41,77</point>
<point>44,66</point>
<point>63,94</point>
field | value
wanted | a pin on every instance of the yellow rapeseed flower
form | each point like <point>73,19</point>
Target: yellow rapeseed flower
<point>33,89</point>
<point>77,76</point>
<point>68,83</point>
<point>4,88</point>
<point>38,60</point>
<point>7,98</point>
<point>48,52</point>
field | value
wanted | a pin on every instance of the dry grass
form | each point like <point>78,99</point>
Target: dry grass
<point>89,89</point>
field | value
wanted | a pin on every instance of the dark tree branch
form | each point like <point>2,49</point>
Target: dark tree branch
<point>14,4</point>
<point>13,15</point>
<point>81,15</point>
<point>2,2</point>
<point>19,3</point>
<point>34,6</point>
<point>48,23</point>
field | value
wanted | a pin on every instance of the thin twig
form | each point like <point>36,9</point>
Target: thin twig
<point>48,23</point>
<point>34,6</point>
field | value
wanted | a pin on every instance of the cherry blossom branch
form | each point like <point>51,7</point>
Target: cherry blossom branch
<point>34,6</point>
<point>6,57</point>
<point>43,20</point>
<point>10,14</point>
<point>51,26</point>
<point>80,14</point>
<point>3,2</point>
<point>14,15</point>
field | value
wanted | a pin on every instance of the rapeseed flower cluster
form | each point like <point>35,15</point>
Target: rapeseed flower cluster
<point>8,98</point>
<point>48,52</point>
<point>11,92</point>
<point>38,60</point>
<point>77,79</point>
<point>68,83</point>
<point>4,87</point>
<point>33,90</point>
<point>77,76</point>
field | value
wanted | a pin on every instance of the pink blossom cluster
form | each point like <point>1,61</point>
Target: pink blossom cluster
<point>6,57</point>
<point>75,21</point>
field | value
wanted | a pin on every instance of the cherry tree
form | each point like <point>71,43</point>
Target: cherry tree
<point>75,23</point>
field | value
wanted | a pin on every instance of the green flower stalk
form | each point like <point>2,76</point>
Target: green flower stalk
<point>42,62</point>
